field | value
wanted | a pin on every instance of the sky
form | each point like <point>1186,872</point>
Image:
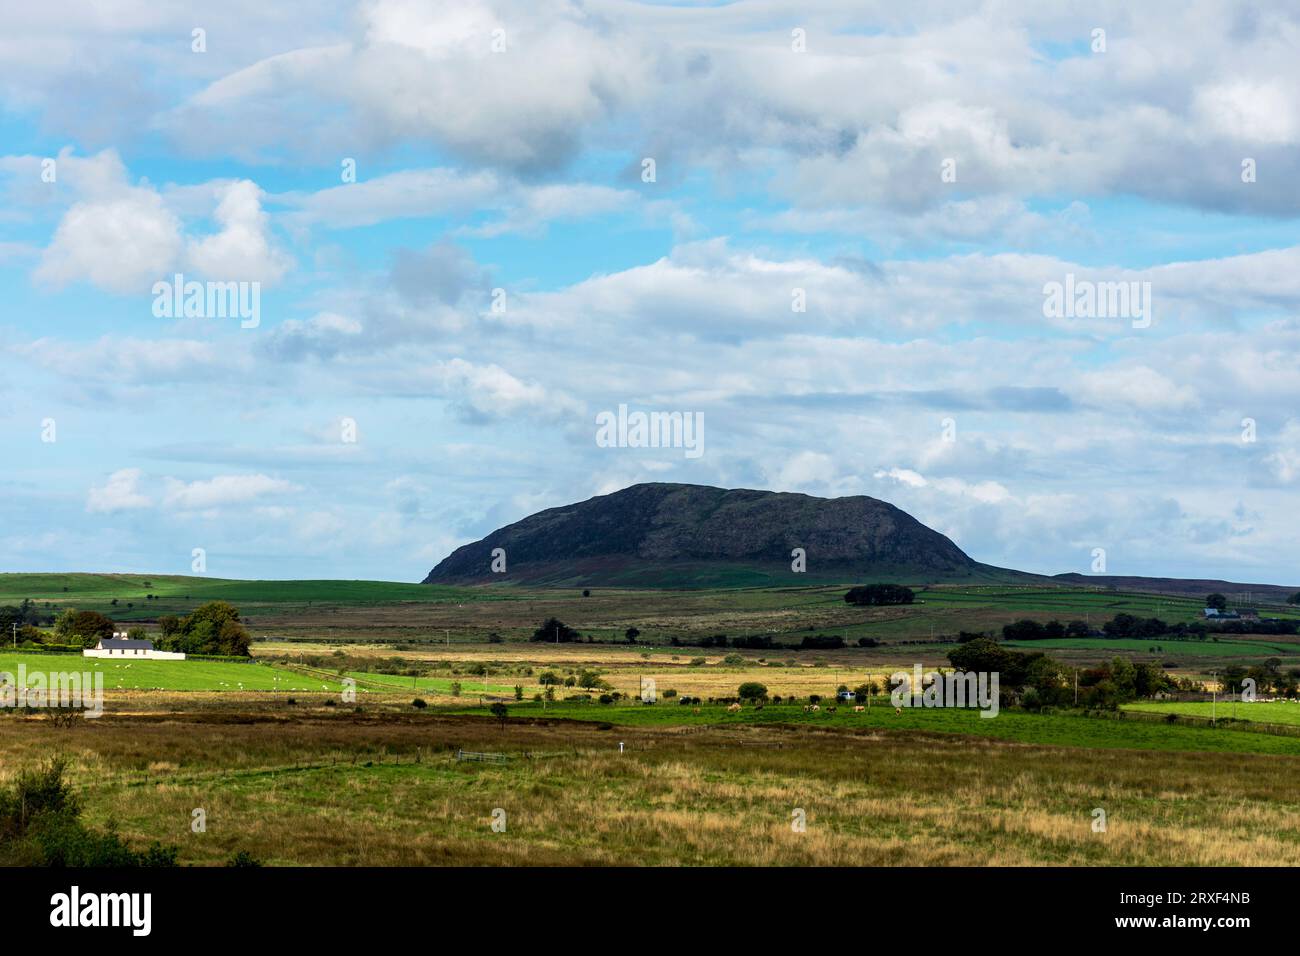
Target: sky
<point>841,236</point>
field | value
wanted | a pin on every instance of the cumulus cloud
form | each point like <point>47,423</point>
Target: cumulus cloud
<point>242,249</point>
<point>119,493</point>
<point>123,244</point>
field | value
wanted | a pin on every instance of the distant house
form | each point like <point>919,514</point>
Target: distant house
<point>1214,614</point>
<point>121,646</point>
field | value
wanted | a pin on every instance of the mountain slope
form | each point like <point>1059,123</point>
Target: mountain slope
<point>674,535</point>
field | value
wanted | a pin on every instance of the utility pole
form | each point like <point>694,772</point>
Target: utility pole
<point>15,635</point>
<point>1076,687</point>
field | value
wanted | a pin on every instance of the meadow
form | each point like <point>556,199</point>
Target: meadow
<point>348,789</point>
<point>1286,713</point>
<point>291,771</point>
<point>171,675</point>
<point>394,613</point>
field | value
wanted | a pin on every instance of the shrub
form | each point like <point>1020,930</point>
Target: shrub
<point>606,699</point>
<point>752,690</point>
<point>419,703</point>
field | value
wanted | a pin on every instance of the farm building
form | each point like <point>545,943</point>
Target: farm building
<point>123,646</point>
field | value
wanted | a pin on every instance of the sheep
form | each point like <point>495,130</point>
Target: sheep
<point>806,708</point>
<point>898,711</point>
<point>816,707</point>
<point>695,710</point>
<point>830,709</point>
<point>733,708</point>
<point>859,709</point>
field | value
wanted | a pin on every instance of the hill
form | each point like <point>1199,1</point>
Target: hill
<point>677,535</point>
<point>1236,592</point>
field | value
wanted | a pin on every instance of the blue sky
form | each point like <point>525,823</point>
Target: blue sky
<point>920,175</point>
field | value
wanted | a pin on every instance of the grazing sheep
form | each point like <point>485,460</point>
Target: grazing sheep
<point>816,707</point>
<point>733,708</point>
<point>859,709</point>
<point>695,710</point>
<point>898,711</point>
<point>806,708</point>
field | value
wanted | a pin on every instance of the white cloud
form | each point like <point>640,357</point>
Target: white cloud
<point>123,244</point>
<point>242,250</point>
<point>120,493</point>
<point>223,490</point>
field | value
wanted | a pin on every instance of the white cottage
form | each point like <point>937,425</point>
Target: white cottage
<point>121,646</point>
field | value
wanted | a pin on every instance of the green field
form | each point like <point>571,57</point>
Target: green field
<point>1064,730</point>
<point>172,675</point>
<point>1259,712</point>
<point>404,613</point>
<point>1226,646</point>
<point>430,685</point>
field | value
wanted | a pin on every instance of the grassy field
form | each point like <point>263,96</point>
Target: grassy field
<point>1063,730</point>
<point>353,790</point>
<point>171,675</point>
<point>396,613</point>
<point>1227,646</point>
<point>1260,711</point>
<point>293,772</point>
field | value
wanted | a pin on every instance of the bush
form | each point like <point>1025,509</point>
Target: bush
<point>40,826</point>
<point>752,690</point>
<point>419,703</point>
<point>670,693</point>
<point>606,699</point>
<point>243,858</point>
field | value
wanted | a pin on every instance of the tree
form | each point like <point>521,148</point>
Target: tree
<point>1216,601</point>
<point>500,712</point>
<point>212,628</point>
<point>555,631</point>
<point>752,690</point>
<point>631,634</point>
<point>874,595</point>
<point>1294,599</point>
<point>82,627</point>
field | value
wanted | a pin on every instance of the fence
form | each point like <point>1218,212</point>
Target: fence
<point>481,757</point>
